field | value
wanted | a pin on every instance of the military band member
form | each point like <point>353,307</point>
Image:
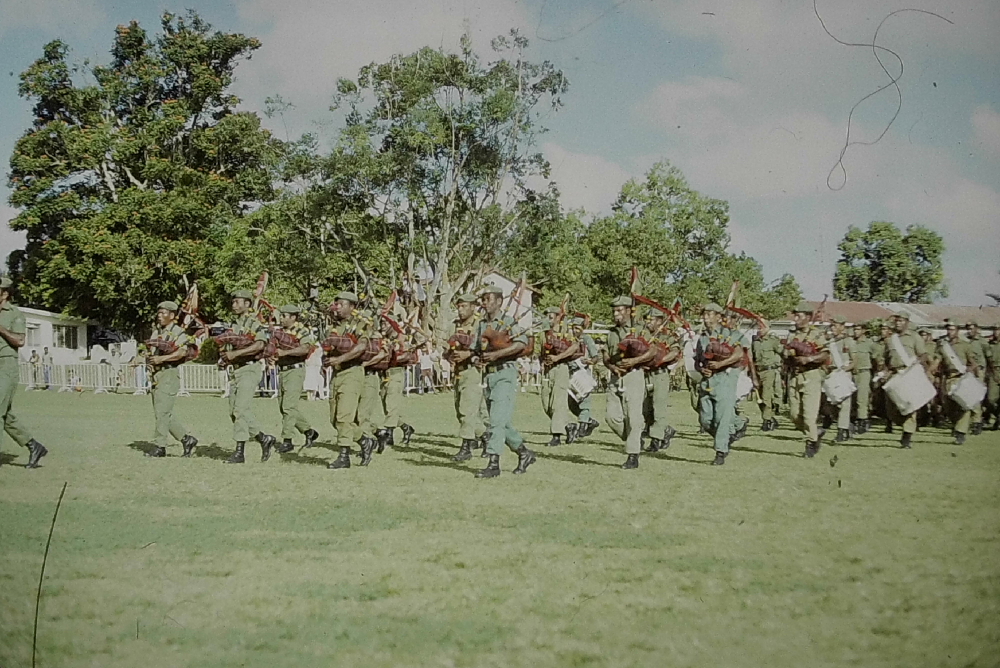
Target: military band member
<point>586,424</point>
<point>978,347</point>
<point>166,382</point>
<point>993,377</point>
<point>954,358</point>
<point>902,348</point>
<point>656,404</point>
<point>844,347</point>
<point>12,336</point>
<point>865,352</point>
<point>718,355</point>
<point>501,381</point>
<point>245,370</point>
<point>767,354</point>
<point>348,381</point>
<point>393,387</point>
<point>470,405</point>
<point>628,392</point>
<point>807,353</point>
<point>555,381</point>
<point>291,365</point>
<point>371,414</point>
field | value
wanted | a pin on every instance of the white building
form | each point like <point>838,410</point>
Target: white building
<point>65,337</point>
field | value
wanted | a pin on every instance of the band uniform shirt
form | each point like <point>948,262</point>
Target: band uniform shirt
<point>11,319</point>
<point>176,334</point>
<point>306,338</point>
<point>865,351</point>
<point>811,335</point>
<point>500,323</point>
<point>767,352</point>
<point>912,343</point>
<point>723,335</point>
<point>963,351</point>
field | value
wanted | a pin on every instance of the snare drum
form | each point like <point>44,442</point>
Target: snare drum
<point>910,389</point>
<point>968,392</point>
<point>581,384</point>
<point>838,386</point>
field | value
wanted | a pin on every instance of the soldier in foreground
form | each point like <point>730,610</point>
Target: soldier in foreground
<point>349,339</point>
<point>12,336</point>
<point>169,349</point>
<point>717,358</point>
<point>806,352</point>
<point>865,353</point>
<point>470,409</point>
<point>903,349</point>
<point>955,357</point>
<point>628,383</point>
<point>291,356</point>
<point>767,351</point>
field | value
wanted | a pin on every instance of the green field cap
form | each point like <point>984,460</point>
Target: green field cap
<point>803,307</point>
<point>622,301</point>
<point>711,306</point>
<point>467,298</point>
<point>290,308</point>
<point>168,305</point>
<point>349,296</point>
<point>243,294</point>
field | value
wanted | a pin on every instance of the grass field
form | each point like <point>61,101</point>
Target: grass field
<point>887,558</point>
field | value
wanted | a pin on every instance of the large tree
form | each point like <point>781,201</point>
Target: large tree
<point>884,264</point>
<point>132,174</point>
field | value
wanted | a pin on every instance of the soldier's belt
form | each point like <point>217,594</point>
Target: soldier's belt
<point>655,372</point>
<point>769,368</point>
<point>240,365</point>
<point>499,366</point>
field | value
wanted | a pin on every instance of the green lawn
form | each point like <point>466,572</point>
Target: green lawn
<point>888,558</point>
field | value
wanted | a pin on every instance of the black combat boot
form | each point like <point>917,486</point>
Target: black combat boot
<point>977,429</point>
<point>484,441</point>
<point>343,460</point>
<point>367,444</point>
<point>382,436</point>
<point>905,441</point>
<point>739,433</point>
<point>888,426</point>
<point>720,458</point>
<point>158,451</point>
<point>237,456</point>
<point>812,447</point>
<point>492,469</point>
<point>996,424</point>
<point>766,426</point>
<point>655,445</point>
<point>525,458</point>
<point>311,436</point>
<point>843,435</point>
<point>465,451</point>
<point>572,432</point>
<point>554,441</point>
<point>668,434</point>
<point>407,433</point>
<point>631,462</point>
<point>592,426</point>
<point>827,421</point>
<point>959,438</point>
<point>266,443</point>
<point>35,452</point>
<point>285,447</point>
<point>188,442</point>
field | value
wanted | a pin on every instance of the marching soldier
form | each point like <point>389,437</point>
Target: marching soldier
<point>978,348</point>
<point>501,381</point>
<point>865,352</point>
<point>12,336</point>
<point>371,414</point>
<point>718,354</point>
<point>470,406</point>
<point>902,349</point>
<point>807,353</point>
<point>628,392</point>
<point>166,380</point>
<point>767,354</point>
<point>393,386</point>
<point>657,398</point>
<point>842,347</point>
<point>291,365</point>
<point>993,377</point>
<point>586,424</point>
<point>348,381</point>
<point>555,382</point>
<point>955,357</point>
<point>245,371</point>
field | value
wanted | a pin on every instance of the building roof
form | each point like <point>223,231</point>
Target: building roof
<point>932,315</point>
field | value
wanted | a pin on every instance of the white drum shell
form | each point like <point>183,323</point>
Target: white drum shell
<point>910,389</point>
<point>581,384</point>
<point>968,392</point>
<point>744,384</point>
<point>838,386</point>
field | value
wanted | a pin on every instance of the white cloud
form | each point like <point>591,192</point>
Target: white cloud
<point>986,123</point>
<point>587,181</point>
<point>58,17</point>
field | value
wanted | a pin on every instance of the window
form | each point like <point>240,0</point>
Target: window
<point>32,337</point>
<point>64,336</point>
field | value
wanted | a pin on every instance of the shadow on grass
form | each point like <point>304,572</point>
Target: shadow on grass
<point>145,447</point>
<point>662,454</point>
<point>7,459</point>
<point>295,457</point>
<point>213,451</point>
<point>761,451</point>
<point>571,458</point>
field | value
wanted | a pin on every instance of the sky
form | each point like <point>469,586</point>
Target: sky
<point>750,100</point>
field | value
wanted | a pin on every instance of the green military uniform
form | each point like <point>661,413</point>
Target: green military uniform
<point>346,388</point>
<point>582,409</point>
<point>166,382</point>
<point>657,400</point>
<point>717,393</point>
<point>954,360</point>
<point>291,378</point>
<point>845,348</point>
<point>767,353</point>
<point>470,405</point>
<point>913,344</point>
<point>628,393</point>
<point>977,348</point>
<point>555,387</point>
<point>12,319</point>
<point>371,415</point>
<point>244,379</point>
<point>805,389</point>
<point>993,377</point>
<point>865,352</point>
<point>501,388</point>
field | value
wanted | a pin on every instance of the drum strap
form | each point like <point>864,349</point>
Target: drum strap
<point>952,356</point>
<point>897,345</point>
<point>838,358</point>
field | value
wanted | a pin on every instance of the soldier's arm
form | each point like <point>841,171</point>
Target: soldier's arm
<point>302,350</point>
<point>13,338</point>
<point>351,354</point>
<point>252,349</point>
<point>736,356</point>
<point>569,352</point>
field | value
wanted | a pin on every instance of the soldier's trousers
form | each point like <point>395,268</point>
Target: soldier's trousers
<point>960,417</point>
<point>470,407</point>
<point>501,393</point>
<point>717,406</point>
<point>370,413</point>
<point>555,398</point>
<point>582,408</point>
<point>805,393</point>
<point>392,396</point>
<point>345,398</point>
<point>863,395</point>
<point>166,385</point>
<point>624,411</point>
<point>977,410</point>
<point>908,421</point>
<point>243,384</point>
<point>290,383</point>
<point>770,392</point>
<point>656,403</point>
<point>993,395</point>
<point>8,386</point>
